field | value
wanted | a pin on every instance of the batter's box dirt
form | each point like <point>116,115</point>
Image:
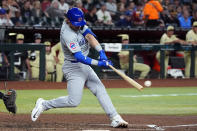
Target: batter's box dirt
<point>69,122</point>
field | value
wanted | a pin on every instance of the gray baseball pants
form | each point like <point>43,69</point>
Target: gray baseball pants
<point>78,75</point>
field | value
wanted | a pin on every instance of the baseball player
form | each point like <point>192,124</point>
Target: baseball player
<point>77,71</point>
<point>34,57</point>
<point>50,61</point>
<point>191,38</point>
<point>168,38</point>
<point>59,61</point>
<point>124,60</point>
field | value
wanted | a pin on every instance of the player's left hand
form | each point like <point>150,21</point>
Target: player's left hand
<point>102,56</point>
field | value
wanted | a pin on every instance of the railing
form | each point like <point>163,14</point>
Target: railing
<point>162,48</point>
<point>25,47</point>
<point>130,47</point>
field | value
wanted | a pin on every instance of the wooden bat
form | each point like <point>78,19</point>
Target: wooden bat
<point>93,42</point>
<point>128,79</point>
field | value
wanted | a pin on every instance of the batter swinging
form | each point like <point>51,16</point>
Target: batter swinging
<point>77,71</point>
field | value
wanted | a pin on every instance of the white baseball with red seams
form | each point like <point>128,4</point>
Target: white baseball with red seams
<point>147,83</point>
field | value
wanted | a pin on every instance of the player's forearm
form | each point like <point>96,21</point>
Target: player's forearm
<point>92,40</point>
<point>90,37</point>
<point>84,59</point>
<point>89,61</point>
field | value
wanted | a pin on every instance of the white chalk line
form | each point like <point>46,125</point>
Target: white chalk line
<point>152,127</point>
<point>159,95</point>
<point>189,125</point>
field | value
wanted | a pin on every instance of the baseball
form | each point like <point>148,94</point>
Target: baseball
<point>147,83</point>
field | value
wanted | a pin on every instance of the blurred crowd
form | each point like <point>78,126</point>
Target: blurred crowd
<point>127,13</point>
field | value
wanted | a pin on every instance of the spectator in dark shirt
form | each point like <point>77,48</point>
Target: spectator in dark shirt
<point>170,18</point>
<point>91,17</point>
<point>37,12</point>
<point>17,21</point>
<point>138,16</point>
<point>26,10</point>
<point>127,20</point>
<point>173,20</point>
<point>21,3</point>
<point>120,12</point>
<point>53,10</point>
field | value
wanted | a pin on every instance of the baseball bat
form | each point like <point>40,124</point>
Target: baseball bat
<point>128,79</point>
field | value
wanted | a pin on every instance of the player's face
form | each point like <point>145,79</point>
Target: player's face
<point>195,29</point>
<point>75,28</point>
<point>20,41</point>
<point>38,41</point>
<point>170,32</point>
<point>48,48</point>
<point>125,42</point>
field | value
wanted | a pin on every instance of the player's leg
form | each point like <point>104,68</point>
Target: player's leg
<point>59,73</point>
<point>35,72</point>
<point>143,68</point>
<point>98,89</point>
<point>75,90</point>
<point>75,83</point>
<point>195,64</point>
<point>166,60</point>
<point>187,64</point>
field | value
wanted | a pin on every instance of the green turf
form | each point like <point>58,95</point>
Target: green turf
<point>171,105</point>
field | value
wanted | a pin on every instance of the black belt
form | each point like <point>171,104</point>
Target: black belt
<point>74,61</point>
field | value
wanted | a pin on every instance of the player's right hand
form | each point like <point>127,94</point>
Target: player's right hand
<point>104,63</point>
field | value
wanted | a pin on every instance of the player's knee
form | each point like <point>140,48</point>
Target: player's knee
<point>74,103</point>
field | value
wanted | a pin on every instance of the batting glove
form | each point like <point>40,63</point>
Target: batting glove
<point>102,55</point>
<point>104,63</point>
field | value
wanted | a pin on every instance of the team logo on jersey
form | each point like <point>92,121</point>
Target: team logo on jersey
<point>79,19</point>
<point>72,46</point>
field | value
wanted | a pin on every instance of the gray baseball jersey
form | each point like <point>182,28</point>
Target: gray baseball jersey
<point>78,74</point>
<point>72,42</point>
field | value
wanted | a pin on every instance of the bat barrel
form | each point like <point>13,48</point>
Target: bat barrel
<point>128,79</point>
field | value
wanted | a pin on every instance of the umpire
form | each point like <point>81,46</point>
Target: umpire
<point>191,38</point>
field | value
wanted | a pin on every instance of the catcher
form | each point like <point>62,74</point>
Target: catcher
<point>9,99</point>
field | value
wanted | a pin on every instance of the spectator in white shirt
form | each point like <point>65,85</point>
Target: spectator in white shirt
<point>63,6</point>
<point>4,19</point>
<point>104,17</point>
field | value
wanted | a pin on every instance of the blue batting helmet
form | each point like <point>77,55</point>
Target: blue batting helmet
<point>76,16</point>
